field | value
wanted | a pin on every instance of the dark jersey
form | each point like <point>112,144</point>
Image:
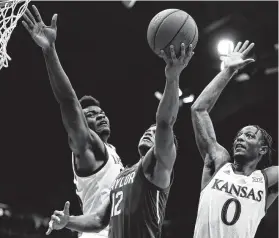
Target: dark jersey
<point>138,206</point>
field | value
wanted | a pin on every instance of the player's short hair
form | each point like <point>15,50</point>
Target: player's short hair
<point>174,137</point>
<point>87,101</point>
<point>266,160</point>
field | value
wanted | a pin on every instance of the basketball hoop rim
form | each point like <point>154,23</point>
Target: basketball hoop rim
<point>3,2</point>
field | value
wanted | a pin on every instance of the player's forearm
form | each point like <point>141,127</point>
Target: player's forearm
<point>59,81</point>
<point>169,104</point>
<point>86,223</point>
<point>212,91</point>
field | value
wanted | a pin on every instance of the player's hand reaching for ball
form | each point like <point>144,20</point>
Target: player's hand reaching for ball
<point>59,219</point>
<point>43,35</point>
<point>235,59</point>
<point>176,65</point>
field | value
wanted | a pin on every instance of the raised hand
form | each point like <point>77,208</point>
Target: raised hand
<point>59,219</point>
<point>43,35</point>
<point>176,65</point>
<point>235,60</point>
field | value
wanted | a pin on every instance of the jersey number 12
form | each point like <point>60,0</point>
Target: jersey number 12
<point>116,201</point>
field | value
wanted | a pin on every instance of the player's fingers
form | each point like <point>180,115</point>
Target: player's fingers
<point>54,21</point>
<point>67,208</point>
<point>50,227</point>
<point>28,21</point>
<point>244,46</point>
<point>48,231</point>
<point>164,56</point>
<point>182,51</point>
<point>59,213</point>
<point>37,13</point>
<point>245,52</point>
<point>55,218</point>
<point>26,27</point>
<point>247,61</point>
<point>172,52</point>
<point>237,47</point>
<point>30,15</point>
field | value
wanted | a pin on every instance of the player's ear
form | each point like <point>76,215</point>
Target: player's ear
<point>263,149</point>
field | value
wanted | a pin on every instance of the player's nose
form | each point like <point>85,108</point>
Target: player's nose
<point>240,138</point>
<point>100,116</point>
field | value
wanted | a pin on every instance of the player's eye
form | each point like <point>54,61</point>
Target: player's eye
<point>248,135</point>
<point>90,114</point>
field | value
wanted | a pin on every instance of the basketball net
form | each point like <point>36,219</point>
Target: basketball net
<point>10,12</point>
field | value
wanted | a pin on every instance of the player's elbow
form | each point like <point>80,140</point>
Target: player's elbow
<point>196,108</point>
<point>96,226</point>
<point>165,122</point>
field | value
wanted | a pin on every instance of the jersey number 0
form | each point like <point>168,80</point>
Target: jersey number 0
<point>236,213</point>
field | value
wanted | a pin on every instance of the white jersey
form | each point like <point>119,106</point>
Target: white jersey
<point>231,205</point>
<point>93,189</point>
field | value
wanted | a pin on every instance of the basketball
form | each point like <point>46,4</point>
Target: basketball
<point>172,27</point>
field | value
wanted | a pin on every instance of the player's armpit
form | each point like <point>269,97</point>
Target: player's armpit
<point>272,195</point>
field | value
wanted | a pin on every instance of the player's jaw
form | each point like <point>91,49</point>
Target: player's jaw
<point>146,142</point>
<point>244,151</point>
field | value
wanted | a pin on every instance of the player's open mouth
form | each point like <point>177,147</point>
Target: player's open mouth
<point>146,139</point>
<point>103,123</point>
<point>240,146</point>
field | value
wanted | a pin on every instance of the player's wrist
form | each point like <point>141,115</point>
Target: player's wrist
<point>172,77</point>
<point>49,48</point>
<point>70,223</point>
<point>230,71</point>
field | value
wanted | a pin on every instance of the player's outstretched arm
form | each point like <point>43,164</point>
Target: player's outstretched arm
<point>94,222</point>
<point>205,136</point>
<point>164,149</point>
<point>72,114</point>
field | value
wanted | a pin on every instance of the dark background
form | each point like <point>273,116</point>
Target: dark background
<point>104,51</point>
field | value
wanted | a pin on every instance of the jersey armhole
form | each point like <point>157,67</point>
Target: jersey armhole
<point>150,184</point>
<point>95,171</point>
<point>214,175</point>
<point>266,189</point>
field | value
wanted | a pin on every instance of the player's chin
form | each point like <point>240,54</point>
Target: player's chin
<point>146,145</point>
<point>103,130</point>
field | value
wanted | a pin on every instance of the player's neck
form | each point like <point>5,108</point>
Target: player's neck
<point>104,137</point>
<point>244,168</point>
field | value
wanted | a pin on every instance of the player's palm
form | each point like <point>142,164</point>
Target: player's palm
<point>174,65</point>
<point>59,219</point>
<point>43,35</point>
<point>235,60</point>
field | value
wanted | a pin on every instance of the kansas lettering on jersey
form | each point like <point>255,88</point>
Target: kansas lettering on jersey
<point>231,205</point>
<point>93,189</point>
<point>138,206</point>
